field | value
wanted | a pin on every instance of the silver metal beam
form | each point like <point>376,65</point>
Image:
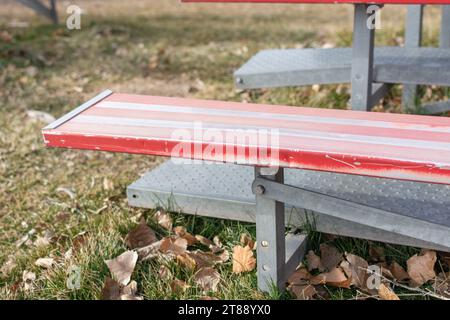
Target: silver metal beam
<point>362,60</point>
<point>343,209</point>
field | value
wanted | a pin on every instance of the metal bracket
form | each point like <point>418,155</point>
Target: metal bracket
<point>433,234</point>
<point>277,255</point>
<point>48,12</point>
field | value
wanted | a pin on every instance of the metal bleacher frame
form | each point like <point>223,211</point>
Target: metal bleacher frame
<point>370,70</point>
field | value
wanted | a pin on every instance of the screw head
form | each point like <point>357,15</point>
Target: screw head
<point>260,189</point>
<point>264,243</point>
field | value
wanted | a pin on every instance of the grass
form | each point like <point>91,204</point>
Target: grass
<point>162,49</point>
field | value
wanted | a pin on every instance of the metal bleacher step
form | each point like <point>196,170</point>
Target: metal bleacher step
<point>297,67</point>
<point>224,191</point>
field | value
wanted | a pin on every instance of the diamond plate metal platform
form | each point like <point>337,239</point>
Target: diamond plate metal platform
<point>224,191</point>
<point>296,67</point>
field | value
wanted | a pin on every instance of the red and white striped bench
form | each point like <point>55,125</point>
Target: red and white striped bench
<point>393,146</point>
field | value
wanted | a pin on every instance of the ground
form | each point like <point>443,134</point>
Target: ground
<point>150,47</point>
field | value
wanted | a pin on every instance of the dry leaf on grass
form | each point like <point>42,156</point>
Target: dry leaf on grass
<point>199,259</point>
<point>299,277</point>
<point>46,263</point>
<point>163,219</point>
<point>28,278</point>
<point>165,273</point>
<point>356,269</point>
<point>178,286</point>
<point>140,236</point>
<point>243,259</point>
<point>385,293</point>
<point>213,246</point>
<point>150,251</point>
<point>421,268</point>
<point>173,245</point>
<point>336,278</point>
<point>376,254</point>
<point>314,262</point>
<point>122,267</point>
<point>246,240</point>
<point>330,256</point>
<point>208,279</point>
<point>186,261</point>
<point>303,292</point>
<point>112,290</point>
<point>398,272</point>
<point>8,266</point>
<point>182,233</point>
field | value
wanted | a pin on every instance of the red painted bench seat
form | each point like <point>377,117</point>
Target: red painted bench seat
<point>408,147</point>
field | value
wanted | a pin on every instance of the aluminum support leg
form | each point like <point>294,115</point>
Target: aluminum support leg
<point>413,39</point>
<point>362,60</point>
<point>445,27</point>
<point>278,256</point>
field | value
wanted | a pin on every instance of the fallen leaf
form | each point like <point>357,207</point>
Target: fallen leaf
<point>204,241</point>
<point>163,219</point>
<point>111,290</point>
<point>140,236</point>
<point>185,260</point>
<point>385,293</point>
<point>208,279</point>
<point>150,251</point>
<point>46,263</point>
<point>299,277</point>
<point>246,240</point>
<point>28,278</point>
<point>178,286</point>
<point>122,266</point>
<point>330,256</point>
<point>358,270</point>
<point>182,233</point>
<point>376,254</point>
<point>314,261</point>
<point>165,273</point>
<point>303,292</point>
<point>173,245</point>
<point>336,278</point>
<point>8,266</point>
<point>243,259</point>
<point>420,268</point>
<point>398,272</point>
<point>129,292</point>
<point>224,255</point>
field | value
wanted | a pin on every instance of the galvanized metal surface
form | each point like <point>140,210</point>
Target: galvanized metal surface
<point>362,60</point>
<point>224,191</point>
<point>271,245</point>
<point>413,39</point>
<point>395,146</point>
<point>296,67</point>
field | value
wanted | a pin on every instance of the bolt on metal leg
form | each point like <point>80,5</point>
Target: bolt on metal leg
<point>270,236</point>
